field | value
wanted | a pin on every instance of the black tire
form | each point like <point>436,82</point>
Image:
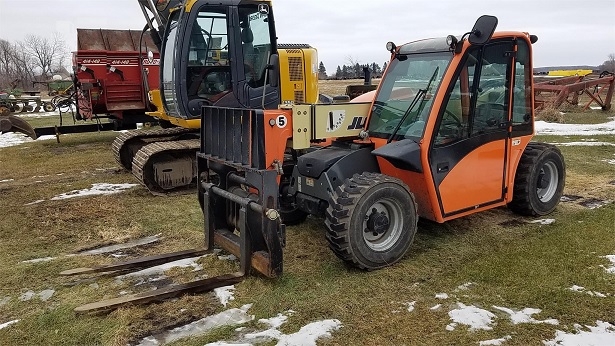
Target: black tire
<point>371,220</point>
<point>539,180</point>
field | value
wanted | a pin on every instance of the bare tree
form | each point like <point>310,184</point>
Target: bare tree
<point>609,64</point>
<point>16,67</point>
<point>47,54</point>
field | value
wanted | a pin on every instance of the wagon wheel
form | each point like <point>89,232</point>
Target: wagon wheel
<point>371,220</point>
<point>48,107</point>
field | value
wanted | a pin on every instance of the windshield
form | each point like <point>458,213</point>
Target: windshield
<point>407,81</point>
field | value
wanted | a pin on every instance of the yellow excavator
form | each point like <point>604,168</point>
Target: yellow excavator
<point>223,53</point>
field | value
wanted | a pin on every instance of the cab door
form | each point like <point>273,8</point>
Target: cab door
<point>468,152</point>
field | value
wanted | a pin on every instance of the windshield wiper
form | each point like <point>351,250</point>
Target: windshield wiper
<point>417,98</point>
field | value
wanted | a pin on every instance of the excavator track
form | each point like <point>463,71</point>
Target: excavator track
<point>167,168</point>
<point>127,144</point>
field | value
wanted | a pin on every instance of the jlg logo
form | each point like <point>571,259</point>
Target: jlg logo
<point>357,123</point>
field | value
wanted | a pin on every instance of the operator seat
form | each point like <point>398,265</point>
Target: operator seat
<point>249,56</point>
<point>489,114</point>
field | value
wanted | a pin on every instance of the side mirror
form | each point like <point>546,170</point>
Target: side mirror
<point>483,30</point>
<point>274,70</point>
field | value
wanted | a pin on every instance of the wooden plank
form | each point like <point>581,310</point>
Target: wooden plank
<point>138,263</point>
<point>163,293</point>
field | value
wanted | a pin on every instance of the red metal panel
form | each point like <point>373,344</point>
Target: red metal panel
<point>99,52</point>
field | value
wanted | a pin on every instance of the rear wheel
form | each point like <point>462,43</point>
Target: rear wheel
<point>371,220</point>
<point>539,180</point>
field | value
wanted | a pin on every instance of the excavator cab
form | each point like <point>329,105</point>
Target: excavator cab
<point>218,54</point>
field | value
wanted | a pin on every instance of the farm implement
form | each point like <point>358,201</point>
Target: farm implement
<point>113,76</point>
<point>553,92</point>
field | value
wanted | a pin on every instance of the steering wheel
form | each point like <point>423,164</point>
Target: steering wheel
<point>454,116</point>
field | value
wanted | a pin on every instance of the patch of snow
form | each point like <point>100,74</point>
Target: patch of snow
<point>229,317</point>
<point>24,297</point>
<point>160,269</point>
<point>525,316</point>
<point>149,280</point>
<point>6,324</point>
<point>435,307</point>
<point>94,285</point>
<point>609,161</point>
<point>35,202</point>
<point>6,180</point>
<point>602,334</point>
<point>584,144</point>
<point>97,189</point>
<point>11,139</point>
<point>544,221</point>
<point>223,343</point>
<point>471,316</point>
<point>43,295</point>
<point>576,288</point>
<point>309,334</point>
<point>225,294</point>
<point>127,245</point>
<point>595,204</point>
<point>544,128</point>
<point>5,300</point>
<point>442,296</point>
<point>230,257</point>
<point>495,342</point>
<point>411,306</point>
<point>464,287</point>
<point>611,269</point>
<point>38,260</point>
<point>276,322</point>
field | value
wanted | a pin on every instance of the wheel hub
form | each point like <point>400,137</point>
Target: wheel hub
<point>543,180</point>
<point>377,222</point>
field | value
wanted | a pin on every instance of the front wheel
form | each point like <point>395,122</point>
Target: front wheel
<point>371,220</point>
<point>539,180</point>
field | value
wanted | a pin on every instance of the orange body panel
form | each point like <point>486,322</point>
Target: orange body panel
<point>278,130</point>
<point>475,180</point>
<point>417,183</point>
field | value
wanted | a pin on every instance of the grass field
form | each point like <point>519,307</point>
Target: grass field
<point>490,266</point>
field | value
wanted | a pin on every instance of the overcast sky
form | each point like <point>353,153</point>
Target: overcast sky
<point>570,32</point>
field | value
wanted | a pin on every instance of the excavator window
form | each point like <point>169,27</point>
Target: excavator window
<point>208,71</point>
<point>256,44</point>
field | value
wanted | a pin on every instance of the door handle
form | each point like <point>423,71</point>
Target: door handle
<point>442,167</point>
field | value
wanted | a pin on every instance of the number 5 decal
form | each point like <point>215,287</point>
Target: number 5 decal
<point>281,121</point>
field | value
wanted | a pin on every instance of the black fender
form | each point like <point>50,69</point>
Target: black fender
<point>326,169</point>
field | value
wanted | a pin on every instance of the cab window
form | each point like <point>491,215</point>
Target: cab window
<point>256,44</point>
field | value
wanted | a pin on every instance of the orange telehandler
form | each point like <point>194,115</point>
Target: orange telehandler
<point>447,135</point>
